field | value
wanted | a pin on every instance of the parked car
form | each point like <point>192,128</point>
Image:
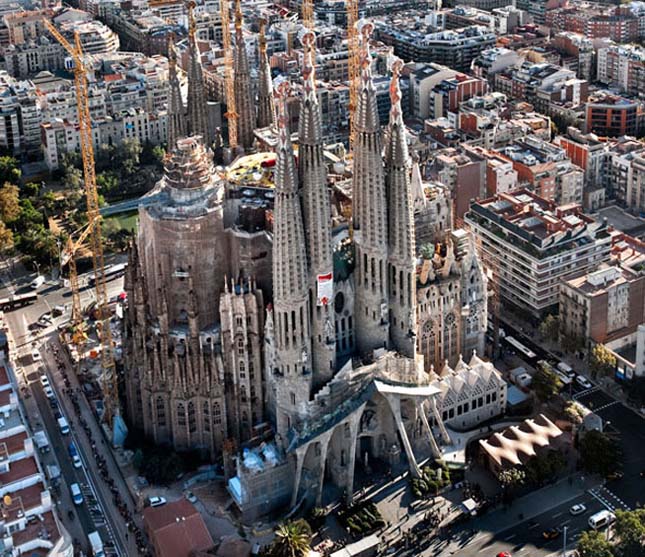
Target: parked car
<point>35,356</point>
<point>577,509</point>
<point>190,496</point>
<point>73,453</point>
<point>44,380</point>
<point>504,554</point>
<point>156,501</point>
<point>49,393</point>
<point>551,534</point>
<point>58,310</point>
<point>583,382</point>
<point>37,282</point>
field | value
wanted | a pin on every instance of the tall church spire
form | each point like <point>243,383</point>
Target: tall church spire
<point>197,118</point>
<point>369,213</point>
<point>266,106</point>
<point>290,284</point>
<point>317,216</point>
<point>243,102</point>
<point>401,267</point>
<point>176,114</point>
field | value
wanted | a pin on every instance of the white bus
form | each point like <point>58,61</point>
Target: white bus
<point>519,347</point>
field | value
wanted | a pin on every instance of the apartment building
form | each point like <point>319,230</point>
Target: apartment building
<point>413,40</point>
<point>533,243</point>
<point>447,94</point>
<point>610,115</point>
<point>423,79</point>
<point>546,168</point>
<point>28,523</point>
<point>495,60</point>
<point>622,66</point>
<point>603,304</point>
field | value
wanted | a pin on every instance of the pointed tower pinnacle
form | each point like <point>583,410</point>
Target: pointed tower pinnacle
<point>176,112</point>
<point>197,118</point>
<point>243,101</point>
<point>266,106</point>
<point>369,213</point>
<point>316,209</point>
<point>401,260</point>
<point>290,280</point>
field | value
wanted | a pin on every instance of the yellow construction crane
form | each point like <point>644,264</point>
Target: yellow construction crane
<point>308,14</point>
<point>108,375</point>
<point>229,76</point>
<point>72,247</point>
<point>353,63</point>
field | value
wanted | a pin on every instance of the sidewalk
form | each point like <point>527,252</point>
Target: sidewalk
<point>101,448</point>
<point>535,503</point>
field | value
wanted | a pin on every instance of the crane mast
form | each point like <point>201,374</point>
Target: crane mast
<point>308,14</point>
<point>229,77</point>
<point>353,64</point>
<point>108,376</point>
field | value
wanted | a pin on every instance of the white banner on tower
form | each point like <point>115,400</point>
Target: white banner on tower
<point>325,289</point>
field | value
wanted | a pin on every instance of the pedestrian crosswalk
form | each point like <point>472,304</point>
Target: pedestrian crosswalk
<point>586,392</point>
<point>608,498</point>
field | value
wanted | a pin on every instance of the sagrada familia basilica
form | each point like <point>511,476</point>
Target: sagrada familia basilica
<point>295,345</point>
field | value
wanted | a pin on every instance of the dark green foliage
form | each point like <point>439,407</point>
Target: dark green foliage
<point>599,453</point>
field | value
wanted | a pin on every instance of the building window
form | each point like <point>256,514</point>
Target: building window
<point>181,414</point>
<point>206,416</point>
<point>293,398</point>
<point>161,412</point>
<point>217,414</point>
<point>192,418</point>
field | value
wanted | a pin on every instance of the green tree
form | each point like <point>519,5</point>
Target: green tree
<point>107,183</point>
<point>599,453</point>
<point>9,203</point>
<point>601,361</point>
<point>546,383</point>
<point>511,478</point>
<point>9,170</point>
<point>593,544</point>
<point>31,190</point>
<point>6,238</point>
<point>292,539</point>
<point>630,530</point>
<point>573,412</point>
<point>550,327</point>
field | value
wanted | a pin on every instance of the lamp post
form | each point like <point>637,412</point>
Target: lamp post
<point>564,543</point>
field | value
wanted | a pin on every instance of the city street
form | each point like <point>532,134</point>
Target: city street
<point>97,511</point>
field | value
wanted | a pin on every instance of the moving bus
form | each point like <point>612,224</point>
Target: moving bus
<point>111,272</point>
<point>18,301</point>
<point>524,351</point>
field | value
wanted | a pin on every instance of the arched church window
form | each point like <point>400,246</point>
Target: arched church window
<point>206,415</point>
<point>181,414</point>
<point>192,418</point>
<point>161,411</point>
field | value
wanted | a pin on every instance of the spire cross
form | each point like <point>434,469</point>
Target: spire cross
<point>238,16</point>
<point>365,29</point>
<point>282,88</point>
<point>192,26</point>
<point>395,89</point>
<point>308,40</point>
<point>262,43</point>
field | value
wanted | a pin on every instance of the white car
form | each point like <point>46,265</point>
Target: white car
<point>76,461</point>
<point>584,382</point>
<point>156,501</point>
<point>191,497</point>
<point>44,380</point>
<point>577,509</point>
<point>35,356</point>
<point>49,393</point>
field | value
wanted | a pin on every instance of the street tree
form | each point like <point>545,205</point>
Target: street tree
<point>630,531</point>
<point>292,539</point>
<point>601,361</point>
<point>511,478</point>
<point>599,453</point>
<point>593,544</point>
<point>9,203</point>
<point>6,238</point>
<point>9,170</point>
<point>546,383</point>
<point>550,328</point>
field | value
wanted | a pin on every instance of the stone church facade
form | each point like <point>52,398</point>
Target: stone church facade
<point>330,342</point>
